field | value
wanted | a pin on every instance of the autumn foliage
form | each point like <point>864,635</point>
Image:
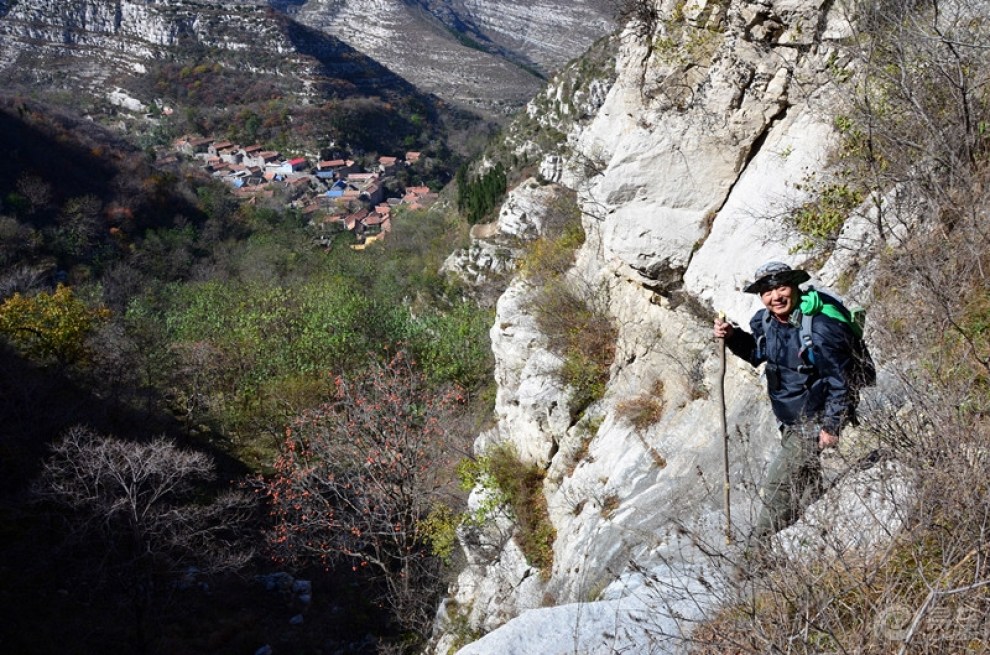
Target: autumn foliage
<point>50,326</point>
<point>357,477</point>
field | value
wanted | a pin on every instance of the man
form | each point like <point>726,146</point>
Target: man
<point>808,389</point>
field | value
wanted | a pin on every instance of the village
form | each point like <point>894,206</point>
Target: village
<point>336,196</point>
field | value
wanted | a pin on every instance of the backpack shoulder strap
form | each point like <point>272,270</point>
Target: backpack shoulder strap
<point>807,343</point>
<point>761,341</point>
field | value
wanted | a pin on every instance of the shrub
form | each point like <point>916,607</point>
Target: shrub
<point>644,409</point>
<point>584,337</point>
<point>522,485</point>
<point>512,483</point>
<point>478,197</point>
<point>550,256</point>
<point>439,529</point>
<point>453,346</point>
<point>822,219</point>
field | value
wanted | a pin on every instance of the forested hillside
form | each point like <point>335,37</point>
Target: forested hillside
<point>158,332</point>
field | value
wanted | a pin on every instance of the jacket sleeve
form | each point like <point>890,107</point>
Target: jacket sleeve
<point>833,356</point>
<point>743,344</point>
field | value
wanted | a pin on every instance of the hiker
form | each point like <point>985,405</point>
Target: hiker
<point>807,385</point>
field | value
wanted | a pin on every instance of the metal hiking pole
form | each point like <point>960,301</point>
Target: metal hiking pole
<point>725,433</point>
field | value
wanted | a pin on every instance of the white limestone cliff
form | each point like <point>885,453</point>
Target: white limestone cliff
<point>683,175</point>
<point>101,44</point>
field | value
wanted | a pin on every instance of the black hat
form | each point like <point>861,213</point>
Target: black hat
<point>775,274</point>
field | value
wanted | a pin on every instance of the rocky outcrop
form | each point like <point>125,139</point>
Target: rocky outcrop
<point>100,44</point>
<point>545,34</point>
<point>139,30</point>
<point>707,137</point>
<point>127,51</point>
<point>501,49</point>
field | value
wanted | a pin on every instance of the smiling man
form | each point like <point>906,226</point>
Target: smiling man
<point>806,381</point>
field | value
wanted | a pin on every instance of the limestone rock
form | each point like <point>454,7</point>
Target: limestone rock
<point>854,520</point>
<point>531,404</point>
<point>705,140</point>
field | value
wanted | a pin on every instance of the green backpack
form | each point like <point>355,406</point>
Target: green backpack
<point>863,372</point>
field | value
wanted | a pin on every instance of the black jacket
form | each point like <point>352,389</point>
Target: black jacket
<point>799,390</point>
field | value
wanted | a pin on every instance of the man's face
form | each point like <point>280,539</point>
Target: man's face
<point>780,301</point>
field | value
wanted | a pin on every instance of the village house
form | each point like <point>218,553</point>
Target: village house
<point>418,197</point>
<point>412,157</point>
<point>192,145</point>
<point>337,189</point>
<point>386,165</point>
<point>355,222</point>
<point>335,168</point>
<point>334,195</point>
<point>222,148</point>
<point>367,241</point>
<point>266,157</point>
<point>252,156</point>
<point>299,183</point>
<point>288,166</point>
<point>361,179</point>
<point>350,195</point>
<point>373,193</point>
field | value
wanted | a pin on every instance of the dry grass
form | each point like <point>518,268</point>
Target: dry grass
<point>643,410</point>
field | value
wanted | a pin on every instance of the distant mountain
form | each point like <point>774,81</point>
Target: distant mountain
<point>296,73</point>
<point>239,68</point>
<point>490,55</point>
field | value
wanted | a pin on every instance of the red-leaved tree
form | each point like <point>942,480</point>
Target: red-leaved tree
<point>358,475</point>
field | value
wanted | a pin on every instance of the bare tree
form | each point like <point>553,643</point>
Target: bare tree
<point>144,503</point>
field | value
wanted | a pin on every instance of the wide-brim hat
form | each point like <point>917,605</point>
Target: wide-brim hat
<point>775,274</point>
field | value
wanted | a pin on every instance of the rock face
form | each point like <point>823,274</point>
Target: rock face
<point>102,44</point>
<point>135,30</point>
<point>483,55</point>
<point>684,160</point>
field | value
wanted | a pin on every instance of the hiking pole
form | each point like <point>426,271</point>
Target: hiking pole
<point>725,434</point>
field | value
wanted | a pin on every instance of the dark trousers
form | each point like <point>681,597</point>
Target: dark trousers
<point>793,483</point>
